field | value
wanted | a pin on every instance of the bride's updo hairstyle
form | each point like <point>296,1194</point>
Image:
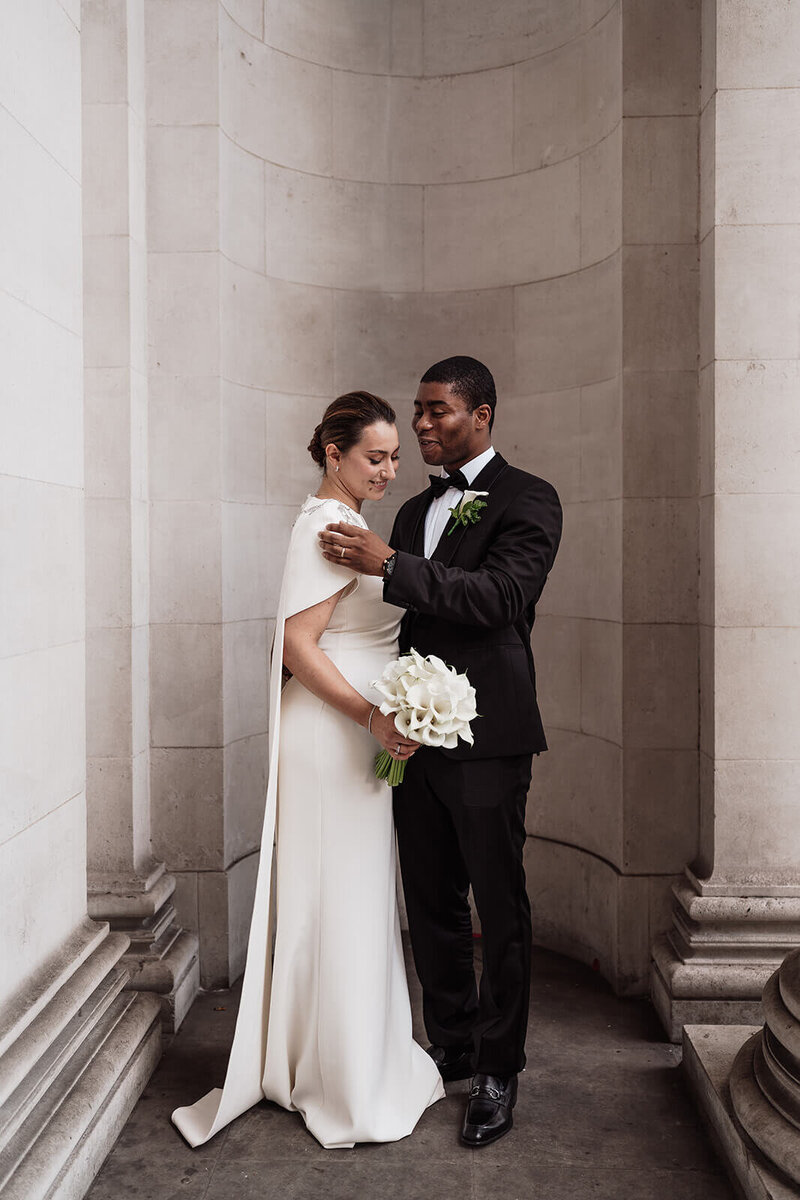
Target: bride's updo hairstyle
<point>344,421</point>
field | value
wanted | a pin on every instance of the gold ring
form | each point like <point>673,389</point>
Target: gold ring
<point>343,550</point>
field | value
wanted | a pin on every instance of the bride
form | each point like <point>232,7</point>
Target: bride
<point>325,1029</point>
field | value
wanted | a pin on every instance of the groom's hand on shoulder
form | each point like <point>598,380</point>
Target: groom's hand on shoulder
<point>364,551</point>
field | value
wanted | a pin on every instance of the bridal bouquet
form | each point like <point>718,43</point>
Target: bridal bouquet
<point>432,702</point>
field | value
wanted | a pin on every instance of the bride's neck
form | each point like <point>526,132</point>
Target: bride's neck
<point>334,489</point>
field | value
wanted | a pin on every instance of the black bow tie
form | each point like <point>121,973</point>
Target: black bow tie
<point>440,483</point>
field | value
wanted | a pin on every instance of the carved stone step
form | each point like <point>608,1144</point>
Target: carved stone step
<point>58,1149</point>
<point>42,1031</point>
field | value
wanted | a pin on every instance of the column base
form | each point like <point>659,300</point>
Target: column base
<point>76,1058</point>
<point>162,958</point>
<point>704,994</point>
<point>765,1077</point>
<point>713,965</point>
<point>710,1055</point>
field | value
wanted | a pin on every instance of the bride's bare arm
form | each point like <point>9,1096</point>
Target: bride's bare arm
<point>315,671</point>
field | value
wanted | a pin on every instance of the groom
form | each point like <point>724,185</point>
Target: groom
<point>470,594</point>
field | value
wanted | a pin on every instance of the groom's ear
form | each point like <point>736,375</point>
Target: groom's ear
<point>482,415</point>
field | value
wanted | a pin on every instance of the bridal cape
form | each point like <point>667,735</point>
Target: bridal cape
<point>328,1031</point>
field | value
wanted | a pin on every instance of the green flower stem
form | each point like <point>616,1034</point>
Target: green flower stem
<point>390,769</point>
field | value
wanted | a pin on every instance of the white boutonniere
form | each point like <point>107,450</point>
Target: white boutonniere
<point>468,510</point>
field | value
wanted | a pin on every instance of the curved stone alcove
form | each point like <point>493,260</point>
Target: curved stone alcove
<point>391,191</point>
<point>410,203</point>
<point>371,191</point>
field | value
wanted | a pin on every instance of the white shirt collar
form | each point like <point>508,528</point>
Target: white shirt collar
<point>473,468</point>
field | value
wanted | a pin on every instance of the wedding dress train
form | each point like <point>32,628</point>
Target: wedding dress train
<point>326,1030</point>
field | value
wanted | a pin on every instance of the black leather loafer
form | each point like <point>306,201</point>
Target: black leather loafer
<point>454,1062</point>
<point>489,1110</point>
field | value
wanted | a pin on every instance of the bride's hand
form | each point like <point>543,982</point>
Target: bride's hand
<point>385,730</point>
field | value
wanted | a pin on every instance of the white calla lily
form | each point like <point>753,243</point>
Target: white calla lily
<point>430,701</point>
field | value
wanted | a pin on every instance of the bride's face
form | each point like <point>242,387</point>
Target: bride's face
<point>367,468</point>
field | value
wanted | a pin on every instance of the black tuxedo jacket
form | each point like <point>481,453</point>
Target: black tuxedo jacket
<point>473,602</point>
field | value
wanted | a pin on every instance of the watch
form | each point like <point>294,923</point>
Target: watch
<point>388,566</point>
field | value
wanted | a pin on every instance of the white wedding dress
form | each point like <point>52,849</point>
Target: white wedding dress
<point>327,1030</point>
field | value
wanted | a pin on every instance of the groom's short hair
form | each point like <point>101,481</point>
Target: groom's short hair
<point>468,378</point>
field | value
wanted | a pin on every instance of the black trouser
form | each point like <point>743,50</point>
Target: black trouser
<point>461,823</point>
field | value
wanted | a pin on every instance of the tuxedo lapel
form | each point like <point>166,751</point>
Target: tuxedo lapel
<point>491,472</point>
<point>418,536</point>
<point>412,537</point>
<point>448,543</point>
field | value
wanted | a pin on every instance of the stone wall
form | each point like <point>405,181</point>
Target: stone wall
<point>616,800</point>
<point>127,886</point>
<point>337,198</point>
<point>750,510</point>
<point>43,815</point>
<point>283,201</point>
<point>75,1048</point>
<point>115,429</point>
<point>212,592</point>
<point>567,426</point>
<point>660,286</point>
<point>737,911</point>
<point>356,198</point>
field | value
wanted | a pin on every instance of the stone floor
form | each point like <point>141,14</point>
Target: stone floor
<point>603,1113</point>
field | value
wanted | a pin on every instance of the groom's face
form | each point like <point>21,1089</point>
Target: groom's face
<point>448,433</point>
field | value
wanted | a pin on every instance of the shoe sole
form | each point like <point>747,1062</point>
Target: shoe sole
<point>488,1141</point>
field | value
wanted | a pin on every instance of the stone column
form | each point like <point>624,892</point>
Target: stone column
<point>747,1082</point>
<point>126,886</point>
<point>75,1048</point>
<point>211,327</point>
<point>765,1077</point>
<point>737,910</point>
<point>659,719</point>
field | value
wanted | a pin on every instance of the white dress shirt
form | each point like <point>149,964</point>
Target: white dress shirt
<point>438,515</point>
